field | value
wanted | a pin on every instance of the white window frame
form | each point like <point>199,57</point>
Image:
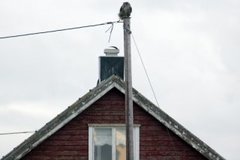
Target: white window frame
<point>136,138</point>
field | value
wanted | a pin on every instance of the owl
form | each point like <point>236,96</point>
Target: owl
<point>125,10</point>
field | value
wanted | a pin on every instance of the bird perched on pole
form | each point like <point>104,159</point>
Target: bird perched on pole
<point>125,10</point>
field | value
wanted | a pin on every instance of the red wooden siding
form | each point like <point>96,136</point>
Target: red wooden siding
<point>71,141</point>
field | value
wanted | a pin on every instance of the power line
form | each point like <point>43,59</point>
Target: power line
<point>12,133</point>
<point>149,81</point>
<point>145,70</point>
<point>59,30</point>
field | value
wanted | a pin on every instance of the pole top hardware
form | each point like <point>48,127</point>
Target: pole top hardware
<point>125,11</point>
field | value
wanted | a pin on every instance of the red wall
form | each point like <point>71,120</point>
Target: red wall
<point>71,141</point>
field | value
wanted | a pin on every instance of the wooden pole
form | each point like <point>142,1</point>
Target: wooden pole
<point>128,89</point>
<point>124,14</point>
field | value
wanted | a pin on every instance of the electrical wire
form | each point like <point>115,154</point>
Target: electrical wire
<point>59,30</point>
<point>12,133</point>
<point>154,94</point>
<point>111,30</point>
<point>145,70</point>
<point>52,31</point>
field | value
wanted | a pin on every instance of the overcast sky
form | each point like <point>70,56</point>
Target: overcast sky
<point>190,48</point>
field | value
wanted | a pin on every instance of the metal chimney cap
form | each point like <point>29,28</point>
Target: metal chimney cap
<point>111,51</point>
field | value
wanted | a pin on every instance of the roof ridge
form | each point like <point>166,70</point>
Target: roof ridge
<point>92,96</point>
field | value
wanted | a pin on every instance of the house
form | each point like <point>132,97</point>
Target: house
<point>93,129</point>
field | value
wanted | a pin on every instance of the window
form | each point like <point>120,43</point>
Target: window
<point>108,142</point>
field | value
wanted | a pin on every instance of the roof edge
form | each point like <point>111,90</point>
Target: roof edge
<point>59,121</point>
<point>92,96</point>
<point>170,123</point>
<point>176,127</point>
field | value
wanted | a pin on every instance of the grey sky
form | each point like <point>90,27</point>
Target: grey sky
<point>190,48</point>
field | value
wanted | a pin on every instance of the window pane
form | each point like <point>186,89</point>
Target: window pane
<point>120,143</point>
<point>102,138</point>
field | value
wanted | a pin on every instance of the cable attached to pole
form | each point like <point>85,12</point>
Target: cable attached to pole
<point>155,97</point>
<point>145,70</point>
<point>111,30</point>
<point>59,30</point>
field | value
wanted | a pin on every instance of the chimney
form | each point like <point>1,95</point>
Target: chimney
<point>111,64</point>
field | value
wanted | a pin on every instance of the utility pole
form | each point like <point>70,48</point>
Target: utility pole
<point>125,12</point>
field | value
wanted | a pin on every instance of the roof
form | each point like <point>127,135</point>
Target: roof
<point>92,96</point>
